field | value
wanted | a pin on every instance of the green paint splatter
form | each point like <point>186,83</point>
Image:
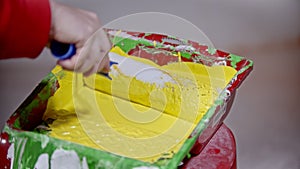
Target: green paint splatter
<point>127,44</point>
<point>211,50</point>
<point>145,42</point>
<point>235,59</point>
<point>124,43</point>
<point>186,55</point>
<point>25,142</point>
<point>197,53</point>
<point>172,47</point>
<point>189,155</point>
<point>17,124</point>
<point>40,94</point>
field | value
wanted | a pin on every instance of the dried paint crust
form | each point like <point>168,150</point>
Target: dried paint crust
<point>20,140</point>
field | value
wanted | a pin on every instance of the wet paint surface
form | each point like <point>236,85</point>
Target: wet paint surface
<point>163,117</point>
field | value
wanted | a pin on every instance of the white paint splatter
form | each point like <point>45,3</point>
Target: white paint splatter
<point>122,35</point>
<point>3,141</point>
<point>45,141</point>
<point>185,47</point>
<point>141,71</point>
<point>21,144</point>
<point>11,155</point>
<point>84,164</point>
<point>64,159</point>
<point>42,162</point>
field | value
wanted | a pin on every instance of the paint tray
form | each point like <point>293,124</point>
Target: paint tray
<point>25,140</point>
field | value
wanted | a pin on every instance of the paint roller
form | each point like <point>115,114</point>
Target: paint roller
<point>127,66</point>
<point>137,81</point>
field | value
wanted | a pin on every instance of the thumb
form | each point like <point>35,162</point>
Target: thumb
<point>104,65</point>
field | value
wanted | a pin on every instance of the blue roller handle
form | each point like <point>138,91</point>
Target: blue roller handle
<point>64,51</point>
<point>61,50</point>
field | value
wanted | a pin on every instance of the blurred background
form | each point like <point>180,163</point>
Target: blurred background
<point>265,115</point>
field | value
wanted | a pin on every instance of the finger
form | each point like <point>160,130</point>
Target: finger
<point>68,64</point>
<point>87,65</point>
<point>104,41</point>
<point>105,46</point>
<point>104,65</point>
<point>93,59</point>
<point>98,52</point>
<point>99,66</point>
<point>82,59</point>
<point>74,63</point>
<point>91,71</point>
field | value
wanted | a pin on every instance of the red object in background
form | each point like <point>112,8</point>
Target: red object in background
<point>219,153</point>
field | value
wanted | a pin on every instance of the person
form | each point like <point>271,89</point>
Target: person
<point>27,26</point>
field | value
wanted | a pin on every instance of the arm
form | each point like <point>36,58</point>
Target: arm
<point>24,28</point>
<point>29,24</point>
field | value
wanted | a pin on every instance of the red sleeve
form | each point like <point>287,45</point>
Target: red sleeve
<point>24,27</point>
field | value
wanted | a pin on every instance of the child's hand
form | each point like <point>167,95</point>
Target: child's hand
<point>82,28</point>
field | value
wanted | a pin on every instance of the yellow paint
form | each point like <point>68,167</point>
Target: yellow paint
<point>95,111</point>
<point>179,56</point>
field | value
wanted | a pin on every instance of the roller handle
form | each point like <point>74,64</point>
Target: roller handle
<point>64,51</point>
<point>61,50</point>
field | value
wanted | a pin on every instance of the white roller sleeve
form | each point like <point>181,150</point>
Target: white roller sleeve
<point>139,70</point>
